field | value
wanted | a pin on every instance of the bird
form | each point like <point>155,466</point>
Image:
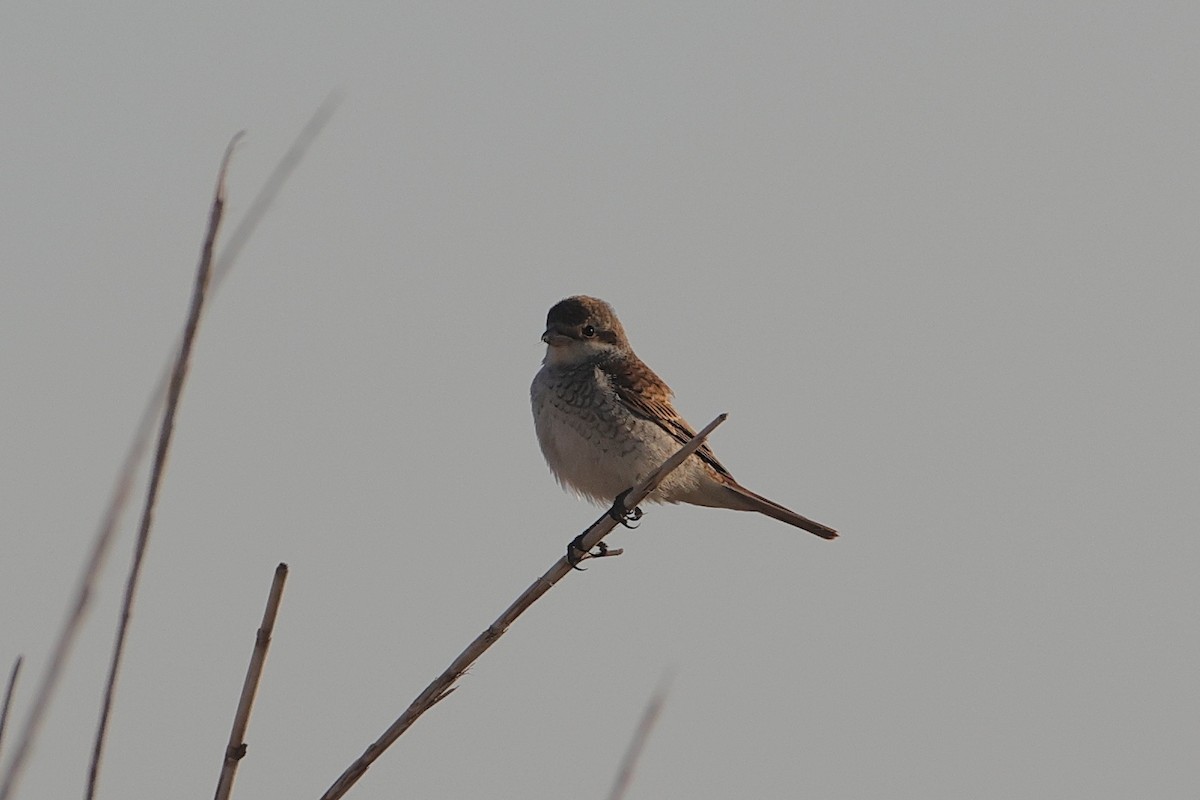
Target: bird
<point>604,421</point>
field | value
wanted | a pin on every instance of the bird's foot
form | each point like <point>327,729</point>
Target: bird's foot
<point>576,553</point>
<point>624,515</point>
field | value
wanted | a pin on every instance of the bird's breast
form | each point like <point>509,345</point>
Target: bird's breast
<point>589,440</point>
<point>592,442</point>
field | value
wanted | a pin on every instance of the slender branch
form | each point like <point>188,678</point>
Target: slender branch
<point>241,718</point>
<point>444,683</point>
<point>166,430</point>
<point>106,530</point>
<point>8,694</point>
<point>638,744</point>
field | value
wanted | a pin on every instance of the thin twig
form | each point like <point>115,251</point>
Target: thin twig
<point>241,718</point>
<point>638,744</point>
<point>166,430</point>
<point>102,541</point>
<point>8,694</point>
<point>444,683</point>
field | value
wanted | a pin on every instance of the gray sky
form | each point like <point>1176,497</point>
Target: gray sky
<point>937,261</point>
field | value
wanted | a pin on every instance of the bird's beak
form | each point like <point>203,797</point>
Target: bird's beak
<point>553,336</point>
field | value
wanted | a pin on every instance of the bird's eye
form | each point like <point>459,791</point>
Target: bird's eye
<point>589,331</point>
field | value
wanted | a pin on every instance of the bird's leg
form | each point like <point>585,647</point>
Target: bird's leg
<point>622,514</point>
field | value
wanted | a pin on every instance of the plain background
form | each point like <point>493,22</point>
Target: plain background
<point>937,260</point>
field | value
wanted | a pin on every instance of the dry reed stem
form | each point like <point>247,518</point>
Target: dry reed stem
<point>272,186</point>
<point>157,469</point>
<point>236,749</point>
<point>444,683</point>
<point>8,694</point>
<point>638,743</point>
<point>102,541</point>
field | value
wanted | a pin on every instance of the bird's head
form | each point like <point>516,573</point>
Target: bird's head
<point>582,328</point>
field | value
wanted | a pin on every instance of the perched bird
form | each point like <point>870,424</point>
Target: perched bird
<point>605,421</point>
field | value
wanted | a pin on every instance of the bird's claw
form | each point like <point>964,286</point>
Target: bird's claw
<point>576,553</point>
<point>624,515</point>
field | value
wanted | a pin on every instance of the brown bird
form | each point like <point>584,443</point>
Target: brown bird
<point>605,421</point>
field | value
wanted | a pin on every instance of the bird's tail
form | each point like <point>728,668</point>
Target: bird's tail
<point>743,499</point>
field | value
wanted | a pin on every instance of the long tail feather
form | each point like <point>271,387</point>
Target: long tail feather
<point>749,501</point>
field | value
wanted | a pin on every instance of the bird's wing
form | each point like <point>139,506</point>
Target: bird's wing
<point>648,396</point>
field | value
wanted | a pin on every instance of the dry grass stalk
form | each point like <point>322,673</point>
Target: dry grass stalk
<point>272,186</point>
<point>444,683</point>
<point>105,532</point>
<point>638,744</point>
<point>8,694</point>
<point>162,448</point>
<point>241,718</point>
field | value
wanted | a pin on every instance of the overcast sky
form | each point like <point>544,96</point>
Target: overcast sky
<point>938,262</point>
